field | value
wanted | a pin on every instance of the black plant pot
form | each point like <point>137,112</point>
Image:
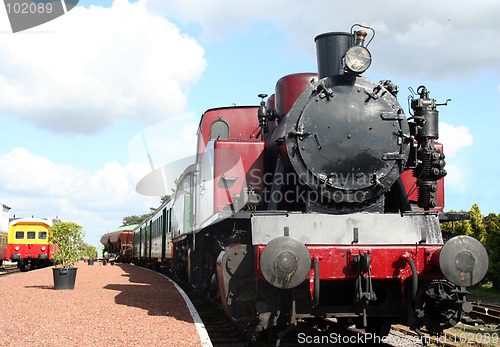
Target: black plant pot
<point>91,262</point>
<point>64,278</point>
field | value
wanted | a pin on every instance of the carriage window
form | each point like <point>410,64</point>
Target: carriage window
<point>31,235</point>
<point>219,129</point>
<point>42,235</point>
<point>186,184</point>
<point>19,235</point>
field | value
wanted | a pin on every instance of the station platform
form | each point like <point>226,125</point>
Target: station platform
<point>119,305</point>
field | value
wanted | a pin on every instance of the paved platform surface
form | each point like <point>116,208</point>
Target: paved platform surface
<point>120,305</point>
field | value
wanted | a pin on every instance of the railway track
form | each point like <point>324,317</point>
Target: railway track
<point>486,312</point>
<point>223,333</point>
<point>8,270</point>
<point>426,339</point>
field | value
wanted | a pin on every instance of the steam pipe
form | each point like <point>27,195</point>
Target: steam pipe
<point>414,276</point>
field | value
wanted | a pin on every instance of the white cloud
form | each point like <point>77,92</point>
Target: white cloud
<point>93,67</point>
<point>34,185</point>
<point>456,180</point>
<point>409,40</point>
<point>454,138</point>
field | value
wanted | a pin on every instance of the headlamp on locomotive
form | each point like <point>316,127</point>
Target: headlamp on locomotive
<point>358,59</point>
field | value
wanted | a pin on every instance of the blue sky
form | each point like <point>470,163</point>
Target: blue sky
<point>75,92</point>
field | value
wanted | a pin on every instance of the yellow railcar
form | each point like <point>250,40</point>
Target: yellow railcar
<point>28,242</point>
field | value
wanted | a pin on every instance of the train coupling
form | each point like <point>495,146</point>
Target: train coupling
<point>364,289</point>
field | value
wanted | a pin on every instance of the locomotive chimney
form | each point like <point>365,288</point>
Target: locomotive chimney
<point>330,49</point>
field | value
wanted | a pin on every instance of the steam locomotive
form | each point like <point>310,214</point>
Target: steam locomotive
<point>324,201</point>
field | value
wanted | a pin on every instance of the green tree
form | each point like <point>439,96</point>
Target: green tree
<point>474,227</point>
<point>492,245</point>
<point>131,220</point>
<point>477,227</point>
<point>67,237</point>
<point>461,227</point>
<point>90,252</point>
<point>487,231</point>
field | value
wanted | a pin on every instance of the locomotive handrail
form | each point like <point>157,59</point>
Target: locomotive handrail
<point>366,27</point>
<point>315,301</point>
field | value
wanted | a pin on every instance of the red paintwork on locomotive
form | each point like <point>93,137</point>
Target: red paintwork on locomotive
<point>289,88</point>
<point>241,161</point>
<point>238,161</point>
<point>336,262</point>
<point>243,124</point>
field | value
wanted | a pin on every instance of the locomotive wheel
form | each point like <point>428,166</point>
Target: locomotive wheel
<point>378,327</point>
<point>434,305</point>
<point>24,267</point>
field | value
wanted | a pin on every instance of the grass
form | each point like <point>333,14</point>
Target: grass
<point>465,335</point>
<point>486,292</point>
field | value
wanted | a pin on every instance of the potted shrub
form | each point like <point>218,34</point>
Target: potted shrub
<point>90,252</point>
<point>67,238</point>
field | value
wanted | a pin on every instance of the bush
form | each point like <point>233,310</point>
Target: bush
<point>67,237</point>
<point>90,252</point>
<point>487,231</point>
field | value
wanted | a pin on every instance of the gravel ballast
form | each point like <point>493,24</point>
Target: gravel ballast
<point>121,305</point>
